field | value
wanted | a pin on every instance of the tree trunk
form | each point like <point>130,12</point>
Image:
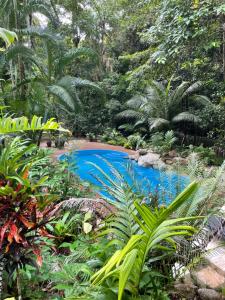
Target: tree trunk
<point>18,284</point>
<point>224,50</point>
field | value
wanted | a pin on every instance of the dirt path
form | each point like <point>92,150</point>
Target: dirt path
<point>82,144</point>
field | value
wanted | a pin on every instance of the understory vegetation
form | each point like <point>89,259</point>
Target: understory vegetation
<point>145,75</point>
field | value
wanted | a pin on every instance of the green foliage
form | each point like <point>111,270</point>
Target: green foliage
<point>61,181</point>
<point>207,155</point>
<point>8,36</point>
<point>135,142</point>
<point>160,106</point>
<point>66,227</point>
<point>24,211</point>
<point>16,125</point>
<point>113,137</point>
<point>163,143</point>
<point>157,230</point>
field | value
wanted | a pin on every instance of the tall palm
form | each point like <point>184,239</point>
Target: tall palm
<point>160,105</point>
<point>17,17</point>
<point>9,125</point>
<point>50,67</point>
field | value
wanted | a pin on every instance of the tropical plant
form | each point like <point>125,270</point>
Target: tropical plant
<point>53,78</point>
<point>60,180</point>
<point>135,141</point>
<point>24,212</point>
<point>8,36</point>
<point>66,227</point>
<point>9,125</point>
<point>157,229</point>
<point>163,142</point>
<point>161,106</point>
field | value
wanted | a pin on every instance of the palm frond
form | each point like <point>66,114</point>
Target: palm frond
<point>19,49</point>
<point>202,202</point>
<point>72,55</point>
<point>84,83</point>
<point>129,114</point>
<point>63,94</point>
<point>40,6</point>
<point>119,194</point>
<point>186,117</point>
<point>178,93</point>
<point>193,89</point>
<point>158,123</point>
<point>42,33</point>
<point>200,99</point>
<point>135,102</point>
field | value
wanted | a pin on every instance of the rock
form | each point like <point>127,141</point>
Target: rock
<point>134,157</point>
<point>142,151</point>
<point>207,277</point>
<point>149,160</point>
<point>187,278</point>
<point>180,160</point>
<point>169,161</point>
<point>209,294</point>
<point>161,165</point>
<point>185,290</point>
<point>172,153</point>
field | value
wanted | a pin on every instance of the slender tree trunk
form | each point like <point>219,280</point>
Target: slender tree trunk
<point>18,284</point>
<point>223,49</point>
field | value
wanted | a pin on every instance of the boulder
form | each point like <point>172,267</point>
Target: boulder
<point>207,277</point>
<point>209,294</point>
<point>180,160</point>
<point>172,153</point>
<point>142,152</point>
<point>149,160</point>
<point>169,161</point>
<point>185,290</point>
<point>134,157</point>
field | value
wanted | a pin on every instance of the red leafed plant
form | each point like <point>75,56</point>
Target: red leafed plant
<point>24,214</point>
<point>23,219</point>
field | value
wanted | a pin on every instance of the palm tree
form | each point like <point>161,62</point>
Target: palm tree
<point>160,106</point>
<point>9,125</point>
<point>18,17</point>
<point>52,75</point>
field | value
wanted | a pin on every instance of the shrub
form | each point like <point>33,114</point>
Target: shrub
<point>135,141</point>
<point>163,143</point>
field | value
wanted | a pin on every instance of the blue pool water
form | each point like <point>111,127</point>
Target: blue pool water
<point>151,181</point>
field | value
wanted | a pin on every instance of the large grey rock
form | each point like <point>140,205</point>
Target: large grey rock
<point>149,160</point>
<point>209,294</point>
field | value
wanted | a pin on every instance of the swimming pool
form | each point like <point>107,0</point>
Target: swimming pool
<point>85,164</point>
